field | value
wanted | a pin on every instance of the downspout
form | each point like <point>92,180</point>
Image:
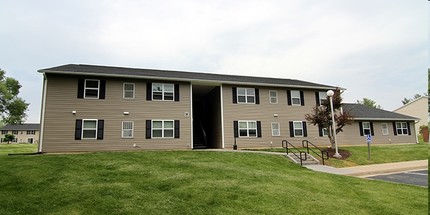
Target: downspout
<point>42,113</point>
<point>222,118</point>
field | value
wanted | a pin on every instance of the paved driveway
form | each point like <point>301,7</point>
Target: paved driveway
<point>414,177</point>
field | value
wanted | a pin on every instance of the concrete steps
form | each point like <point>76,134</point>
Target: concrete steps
<point>311,160</point>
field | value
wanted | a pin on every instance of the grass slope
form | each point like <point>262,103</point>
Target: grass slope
<point>190,182</point>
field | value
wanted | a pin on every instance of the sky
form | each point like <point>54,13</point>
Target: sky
<point>374,49</point>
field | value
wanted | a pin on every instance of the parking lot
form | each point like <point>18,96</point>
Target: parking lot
<point>414,177</point>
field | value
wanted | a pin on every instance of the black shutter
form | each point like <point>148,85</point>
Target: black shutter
<point>371,129</point>
<point>259,129</point>
<point>320,131</point>
<point>409,128</point>
<point>361,128</point>
<point>305,129</point>
<point>302,98</point>
<point>149,93</point>
<point>81,83</point>
<point>234,95</point>
<point>317,98</point>
<point>257,96</point>
<point>236,128</point>
<point>289,97</point>
<point>100,129</point>
<point>394,128</point>
<point>148,129</point>
<point>102,89</point>
<point>176,92</point>
<point>78,129</point>
<point>291,129</point>
<point>177,129</point>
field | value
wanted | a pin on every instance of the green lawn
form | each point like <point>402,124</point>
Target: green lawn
<point>190,182</point>
<point>382,154</point>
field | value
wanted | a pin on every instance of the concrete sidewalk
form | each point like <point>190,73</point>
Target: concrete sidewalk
<point>372,169</point>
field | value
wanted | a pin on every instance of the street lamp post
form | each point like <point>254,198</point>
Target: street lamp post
<point>330,94</point>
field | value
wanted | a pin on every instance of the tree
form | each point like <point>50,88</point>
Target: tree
<point>321,116</point>
<point>407,100</point>
<point>12,107</point>
<point>8,138</point>
<point>370,103</point>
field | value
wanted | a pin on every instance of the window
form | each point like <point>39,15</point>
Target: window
<point>3,132</point>
<point>247,129</point>
<point>322,97</point>
<point>89,129</point>
<point>273,96</point>
<point>14,132</point>
<point>402,128</point>
<point>91,89</point>
<point>298,128</point>
<point>30,140</point>
<point>366,128</point>
<point>384,128</point>
<point>128,92</point>
<point>163,92</point>
<point>246,95</point>
<point>127,129</point>
<point>295,97</point>
<point>276,131</point>
<point>31,132</point>
<point>162,128</point>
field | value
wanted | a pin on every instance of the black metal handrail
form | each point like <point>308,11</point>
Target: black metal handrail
<point>285,144</point>
<point>323,152</point>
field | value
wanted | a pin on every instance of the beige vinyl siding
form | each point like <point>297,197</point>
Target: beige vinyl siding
<point>62,99</point>
<point>264,112</point>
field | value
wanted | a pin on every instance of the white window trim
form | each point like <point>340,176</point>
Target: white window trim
<point>270,96</point>
<point>124,90</point>
<point>385,130</point>
<point>91,88</point>
<point>295,97</point>
<point>83,129</point>
<point>369,128</point>
<point>132,130</point>
<point>246,95</point>
<point>279,129</point>
<point>401,128</point>
<point>323,97</point>
<point>30,132</point>
<point>163,92</point>
<point>248,128</point>
<point>325,132</point>
<point>162,128</point>
<point>301,128</point>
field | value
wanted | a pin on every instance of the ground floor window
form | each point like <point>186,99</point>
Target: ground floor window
<point>162,128</point>
<point>127,129</point>
<point>30,140</point>
<point>247,128</point>
<point>402,128</point>
<point>298,129</point>
<point>89,129</point>
<point>276,131</point>
<point>366,128</point>
<point>384,129</point>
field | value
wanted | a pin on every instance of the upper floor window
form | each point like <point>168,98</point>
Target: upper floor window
<point>14,132</point>
<point>321,97</point>
<point>273,96</point>
<point>128,91</point>
<point>295,97</point>
<point>163,92</point>
<point>91,88</point>
<point>3,132</point>
<point>402,128</point>
<point>246,95</point>
<point>31,132</point>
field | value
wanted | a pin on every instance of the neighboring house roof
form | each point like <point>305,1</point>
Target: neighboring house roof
<point>21,127</point>
<point>80,69</point>
<point>363,112</point>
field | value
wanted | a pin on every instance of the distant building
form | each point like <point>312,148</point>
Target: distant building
<point>417,108</point>
<point>24,133</point>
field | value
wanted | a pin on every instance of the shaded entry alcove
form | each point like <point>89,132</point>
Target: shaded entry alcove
<point>207,132</point>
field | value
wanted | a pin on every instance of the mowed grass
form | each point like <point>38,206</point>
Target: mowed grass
<point>382,154</point>
<point>190,182</point>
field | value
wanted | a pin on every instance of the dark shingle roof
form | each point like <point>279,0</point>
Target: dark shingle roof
<point>80,69</point>
<point>363,112</point>
<point>21,127</point>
